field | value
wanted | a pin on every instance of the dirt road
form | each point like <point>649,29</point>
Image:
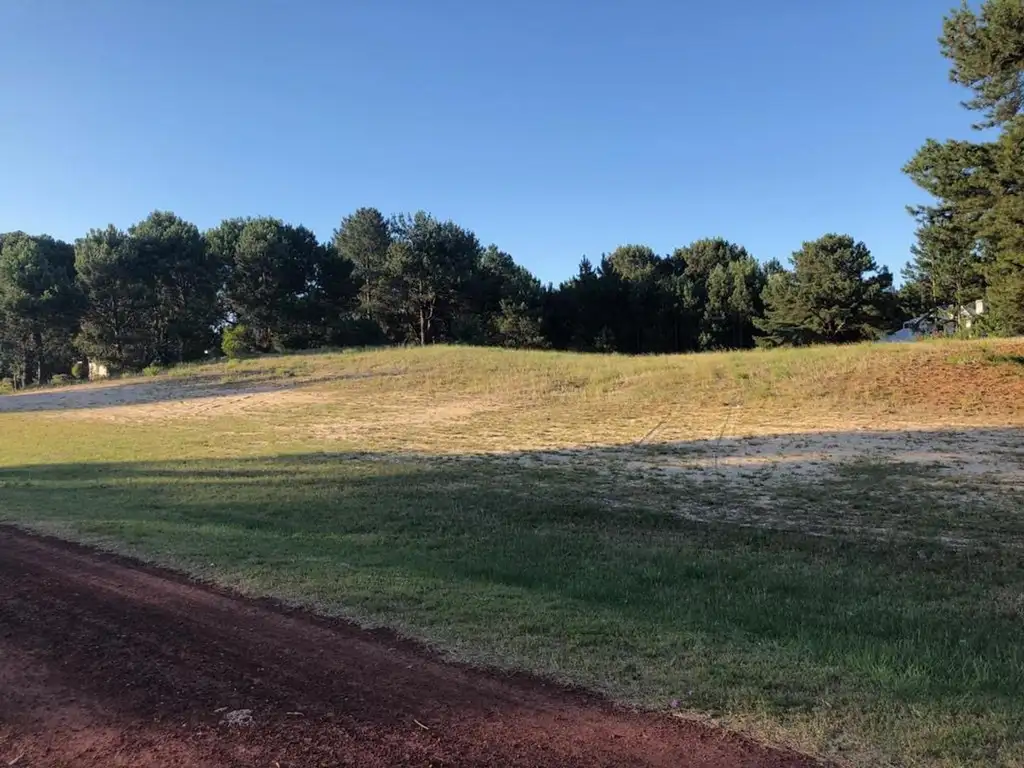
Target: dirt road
<point>106,664</point>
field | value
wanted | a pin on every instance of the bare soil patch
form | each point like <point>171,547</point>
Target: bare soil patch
<point>103,663</point>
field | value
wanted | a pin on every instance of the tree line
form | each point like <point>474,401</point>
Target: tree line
<point>164,292</point>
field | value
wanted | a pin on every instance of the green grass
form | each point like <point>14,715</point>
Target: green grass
<point>841,621</point>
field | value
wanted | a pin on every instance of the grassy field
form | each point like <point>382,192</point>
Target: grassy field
<point>821,547</point>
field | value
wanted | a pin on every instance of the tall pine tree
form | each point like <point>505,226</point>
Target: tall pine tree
<point>969,239</point>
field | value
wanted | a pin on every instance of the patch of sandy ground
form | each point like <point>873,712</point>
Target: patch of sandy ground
<point>749,446</point>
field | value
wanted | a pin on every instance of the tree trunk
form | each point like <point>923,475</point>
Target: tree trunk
<point>37,342</point>
<point>423,327</point>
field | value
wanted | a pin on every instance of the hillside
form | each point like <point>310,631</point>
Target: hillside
<point>466,399</point>
<point>815,546</point>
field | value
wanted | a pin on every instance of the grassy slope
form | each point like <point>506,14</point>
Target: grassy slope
<point>444,491</point>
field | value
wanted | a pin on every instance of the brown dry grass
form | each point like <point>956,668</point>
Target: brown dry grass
<point>455,400</point>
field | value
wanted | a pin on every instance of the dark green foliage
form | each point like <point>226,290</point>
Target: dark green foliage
<point>184,278</point>
<point>834,294</point>
<point>501,304</point>
<point>970,240</point>
<point>703,296</point>
<point>40,306</point>
<point>518,325</point>
<point>946,268</point>
<point>291,291</point>
<point>1002,230</point>
<point>727,282</point>
<point>632,293</point>
<point>162,292</point>
<point>986,49</point>
<point>363,240</point>
<point>275,281</point>
<point>153,292</point>
<point>429,264</point>
<point>116,327</point>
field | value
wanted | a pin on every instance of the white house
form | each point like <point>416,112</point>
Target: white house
<point>941,321</point>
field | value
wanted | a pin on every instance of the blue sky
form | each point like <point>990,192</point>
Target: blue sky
<point>554,129</point>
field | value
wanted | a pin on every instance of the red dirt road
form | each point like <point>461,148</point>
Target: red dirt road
<point>106,664</point>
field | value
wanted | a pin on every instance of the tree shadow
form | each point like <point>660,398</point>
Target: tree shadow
<point>516,561</point>
<point>383,532</point>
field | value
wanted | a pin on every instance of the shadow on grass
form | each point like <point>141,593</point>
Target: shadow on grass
<point>519,564</point>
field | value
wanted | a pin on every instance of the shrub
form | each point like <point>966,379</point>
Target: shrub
<point>61,380</point>
<point>152,370</point>
<point>6,386</point>
<point>80,370</point>
<point>238,342</point>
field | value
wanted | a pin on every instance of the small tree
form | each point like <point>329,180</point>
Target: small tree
<point>238,342</point>
<point>518,326</point>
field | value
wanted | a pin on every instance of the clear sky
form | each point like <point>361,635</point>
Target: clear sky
<point>554,128</point>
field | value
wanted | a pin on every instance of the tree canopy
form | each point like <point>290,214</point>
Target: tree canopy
<point>835,293</point>
<point>274,271</point>
<point>39,304</point>
<point>986,51</point>
<point>363,240</point>
<point>162,292</point>
<point>969,241</point>
<point>428,264</point>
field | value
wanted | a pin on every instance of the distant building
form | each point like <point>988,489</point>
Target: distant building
<point>941,321</point>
